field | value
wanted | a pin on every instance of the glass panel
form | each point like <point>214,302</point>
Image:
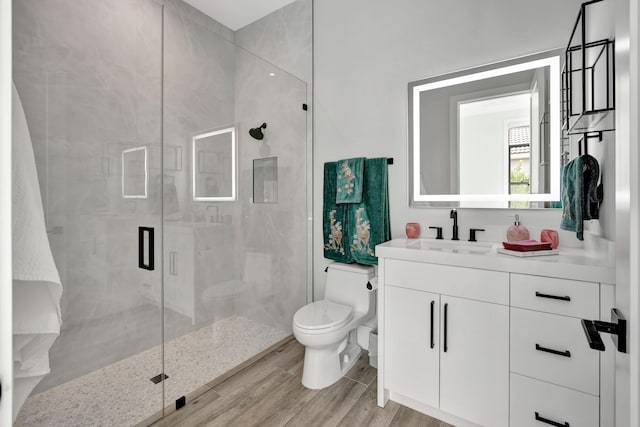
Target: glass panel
<point>236,270</point>
<point>89,77</point>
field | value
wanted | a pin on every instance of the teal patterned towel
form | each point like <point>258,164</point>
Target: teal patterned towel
<point>579,193</point>
<point>334,218</point>
<point>368,222</point>
<point>349,173</point>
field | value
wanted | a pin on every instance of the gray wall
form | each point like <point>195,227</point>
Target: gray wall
<point>365,53</point>
<point>282,38</point>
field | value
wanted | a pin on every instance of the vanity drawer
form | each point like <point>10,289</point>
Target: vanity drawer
<point>551,403</point>
<point>554,349</point>
<point>471,283</point>
<point>558,296</point>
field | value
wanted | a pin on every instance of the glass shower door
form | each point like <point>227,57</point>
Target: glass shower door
<point>235,222</point>
<point>89,77</point>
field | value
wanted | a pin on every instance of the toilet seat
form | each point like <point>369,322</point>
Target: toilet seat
<point>321,315</point>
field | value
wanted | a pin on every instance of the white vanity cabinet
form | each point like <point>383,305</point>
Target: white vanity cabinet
<point>491,340</point>
<point>474,378</point>
<point>413,344</point>
<point>447,339</point>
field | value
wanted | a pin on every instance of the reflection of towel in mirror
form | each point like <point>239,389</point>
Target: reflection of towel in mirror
<point>580,194</point>
<point>36,284</point>
<point>349,175</point>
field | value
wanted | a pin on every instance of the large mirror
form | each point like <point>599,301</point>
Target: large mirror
<point>487,137</point>
<point>214,165</point>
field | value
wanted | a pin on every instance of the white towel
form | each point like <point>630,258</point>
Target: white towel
<point>36,284</point>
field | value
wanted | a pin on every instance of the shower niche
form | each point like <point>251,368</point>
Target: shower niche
<point>265,180</point>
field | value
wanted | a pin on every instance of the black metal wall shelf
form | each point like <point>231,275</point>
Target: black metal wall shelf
<point>588,84</point>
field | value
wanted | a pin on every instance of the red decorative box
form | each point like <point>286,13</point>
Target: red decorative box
<point>527,246</point>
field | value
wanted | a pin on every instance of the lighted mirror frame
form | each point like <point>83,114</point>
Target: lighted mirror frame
<point>480,73</point>
<point>146,173</point>
<point>194,165</point>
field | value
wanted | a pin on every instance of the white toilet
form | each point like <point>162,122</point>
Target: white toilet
<point>328,328</point>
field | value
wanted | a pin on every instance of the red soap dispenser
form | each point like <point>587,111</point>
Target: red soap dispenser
<point>517,232</point>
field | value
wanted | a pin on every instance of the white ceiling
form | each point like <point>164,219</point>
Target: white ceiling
<point>235,14</point>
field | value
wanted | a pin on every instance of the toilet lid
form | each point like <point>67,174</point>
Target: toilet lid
<point>322,314</point>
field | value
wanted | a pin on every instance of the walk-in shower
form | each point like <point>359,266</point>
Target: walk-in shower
<point>139,113</point>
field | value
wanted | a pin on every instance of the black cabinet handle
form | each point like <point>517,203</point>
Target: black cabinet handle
<point>446,305</point>
<point>432,343</point>
<point>541,295</point>
<point>551,422</point>
<point>565,353</point>
<point>141,233</point>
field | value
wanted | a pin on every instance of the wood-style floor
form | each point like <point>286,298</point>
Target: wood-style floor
<point>269,393</point>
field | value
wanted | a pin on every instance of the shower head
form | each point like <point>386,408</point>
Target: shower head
<point>257,132</point>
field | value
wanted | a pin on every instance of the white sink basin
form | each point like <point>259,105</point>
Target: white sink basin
<point>453,246</point>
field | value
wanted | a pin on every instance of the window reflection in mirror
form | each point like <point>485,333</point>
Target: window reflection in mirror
<point>487,137</point>
<point>134,173</point>
<point>214,165</point>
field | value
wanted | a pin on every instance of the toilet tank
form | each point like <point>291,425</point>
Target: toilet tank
<point>347,284</point>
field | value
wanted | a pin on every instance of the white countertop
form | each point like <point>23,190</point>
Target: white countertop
<point>570,263</point>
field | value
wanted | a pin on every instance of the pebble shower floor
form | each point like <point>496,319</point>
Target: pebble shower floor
<point>122,394</point>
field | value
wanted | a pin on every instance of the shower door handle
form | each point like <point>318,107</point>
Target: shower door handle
<point>141,248</point>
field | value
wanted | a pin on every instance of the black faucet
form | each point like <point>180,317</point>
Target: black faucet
<point>454,215</point>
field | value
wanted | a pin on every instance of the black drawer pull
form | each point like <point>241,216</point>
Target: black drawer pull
<point>432,343</point>
<point>565,353</point>
<point>551,422</point>
<point>541,295</point>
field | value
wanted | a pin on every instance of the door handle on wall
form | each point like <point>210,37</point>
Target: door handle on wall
<point>617,328</point>
<point>141,249</point>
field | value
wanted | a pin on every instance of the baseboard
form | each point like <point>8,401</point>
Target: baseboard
<point>431,411</point>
